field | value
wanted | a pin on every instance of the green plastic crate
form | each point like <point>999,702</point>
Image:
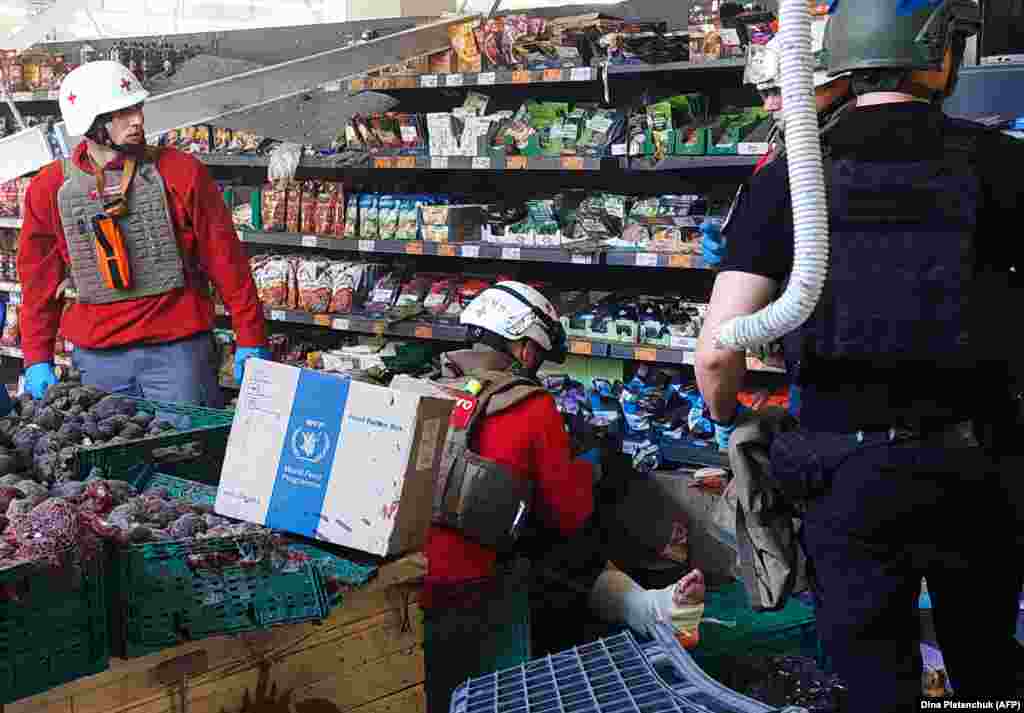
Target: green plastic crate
<point>160,600</point>
<point>56,633</point>
<point>788,632</point>
<point>199,450</point>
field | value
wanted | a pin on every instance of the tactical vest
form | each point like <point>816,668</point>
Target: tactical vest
<point>480,498</point>
<point>901,264</point>
<point>150,238</point>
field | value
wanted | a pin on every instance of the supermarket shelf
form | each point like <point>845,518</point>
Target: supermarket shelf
<point>455,333</point>
<point>6,286</point>
<point>626,69</point>
<point>16,353</point>
<point>10,222</point>
<point>483,251</point>
<point>39,96</point>
<point>499,163</point>
<point>477,79</point>
<point>633,258</point>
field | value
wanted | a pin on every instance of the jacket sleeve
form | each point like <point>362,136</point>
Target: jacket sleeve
<point>222,258</point>
<point>41,269</point>
<point>564,498</point>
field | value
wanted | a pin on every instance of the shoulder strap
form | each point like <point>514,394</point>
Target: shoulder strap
<point>493,387</point>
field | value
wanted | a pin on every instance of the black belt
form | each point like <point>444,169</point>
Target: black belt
<point>957,435</point>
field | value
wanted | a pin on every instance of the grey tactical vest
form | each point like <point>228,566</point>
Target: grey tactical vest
<point>153,250</point>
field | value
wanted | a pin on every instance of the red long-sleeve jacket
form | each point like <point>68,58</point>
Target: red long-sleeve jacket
<point>207,240</point>
<point>530,438</point>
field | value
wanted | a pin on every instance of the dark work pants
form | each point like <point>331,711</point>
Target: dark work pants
<point>895,514</point>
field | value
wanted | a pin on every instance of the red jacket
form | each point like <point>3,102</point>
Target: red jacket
<point>207,238</point>
<point>529,437</point>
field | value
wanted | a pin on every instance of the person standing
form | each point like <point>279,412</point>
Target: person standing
<point>140,233</point>
<point>906,437</point>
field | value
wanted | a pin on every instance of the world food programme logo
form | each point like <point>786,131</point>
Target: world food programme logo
<point>310,443</point>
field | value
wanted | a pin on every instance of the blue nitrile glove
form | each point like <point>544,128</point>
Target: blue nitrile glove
<point>244,353</point>
<point>712,245</point>
<point>724,431</point>
<point>38,378</point>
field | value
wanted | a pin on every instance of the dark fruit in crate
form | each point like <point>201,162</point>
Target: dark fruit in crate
<point>9,462</point>
<point>68,489</point>
<point>132,431</point>
<point>110,427</point>
<point>91,429</point>
<point>28,411</point>
<point>49,419</point>
<point>76,410</point>
<point>114,405</point>
<point>47,443</point>
<point>158,427</point>
<point>25,439</point>
<point>143,418</point>
<point>46,466</point>
<point>70,432</point>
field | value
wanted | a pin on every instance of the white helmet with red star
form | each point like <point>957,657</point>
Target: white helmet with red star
<point>96,89</point>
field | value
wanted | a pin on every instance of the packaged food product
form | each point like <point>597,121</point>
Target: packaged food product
<point>385,292</point>
<point>326,208</point>
<point>463,42</point>
<point>369,216</point>
<point>222,138</point>
<point>437,300</point>
<point>488,38</point>
<point>275,202</point>
<point>273,278</point>
<point>11,335</point>
<point>342,287</point>
<point>412,134</point>
<point>315,286</point>
<point>202,138</point>
<point>407,228</point>
<point>413,292</point>
<point>9,198</point>
<point>352,216</point>
<point>388,130</point>
<point>293,209</point>
<point>387,217</point>
<point>310,200</point>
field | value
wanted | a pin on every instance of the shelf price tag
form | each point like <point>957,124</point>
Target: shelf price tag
<point>424,331</point>
<point>485,78</point>
<point>453,80</point>
<point>309,241</point>
<point>439,162</point>
<point>340,325</point>
<point>446,250</point>
<point>380,83</point>
<point>14,298</point>
<point>521,77</point>
<point>680,261</point>
<point>323,320</point>
<point>645,354</point>
<point>378,328</point>
<point>572,163</point>
<point>428,80</point>
<point>584,348</point>
<point>552,75</point>
<point>618,149</point>
<point>515,163</point>
<point>581,74</point>
<point>358,85</point>
<point>383,163</point>
<point>405,162</point>
<point>278,315</point>
<point>689,358</point>
<point>646,260</point>
<point>756,148</point>
<point>366,246</point>
<point>481,162</point>
<point>471,251</point>
<point>414,248</point>
<point>582,260</point>
<point>510,253</point>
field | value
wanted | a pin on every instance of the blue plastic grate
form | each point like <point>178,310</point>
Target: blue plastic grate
<point>613,675</point>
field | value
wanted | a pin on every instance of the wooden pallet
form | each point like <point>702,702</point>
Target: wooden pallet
<point>366,658</point>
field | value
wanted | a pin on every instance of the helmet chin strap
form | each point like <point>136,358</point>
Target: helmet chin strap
<point>101,135</point>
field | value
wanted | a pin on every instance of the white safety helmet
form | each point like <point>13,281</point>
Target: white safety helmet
<point>95,89</point>
<point>515,311</point>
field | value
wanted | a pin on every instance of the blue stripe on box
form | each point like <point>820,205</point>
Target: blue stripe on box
<point>314,430</point>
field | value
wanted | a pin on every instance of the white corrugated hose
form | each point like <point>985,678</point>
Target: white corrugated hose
<point>806,188</point>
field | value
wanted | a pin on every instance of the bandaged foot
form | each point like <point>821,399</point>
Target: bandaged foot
<point>617,599</point>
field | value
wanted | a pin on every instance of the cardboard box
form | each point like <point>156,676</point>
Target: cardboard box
<point>323,456</point>
<point>452,214</point>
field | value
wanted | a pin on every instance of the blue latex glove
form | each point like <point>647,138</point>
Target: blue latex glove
<point>723,433</point>
<point>244,353</point>
<point>38,378</point>
<point>712,245</point>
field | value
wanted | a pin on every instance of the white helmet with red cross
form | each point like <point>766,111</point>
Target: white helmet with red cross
<point>95,89</point>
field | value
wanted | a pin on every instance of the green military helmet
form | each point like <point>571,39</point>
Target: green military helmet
<point>874,35</point>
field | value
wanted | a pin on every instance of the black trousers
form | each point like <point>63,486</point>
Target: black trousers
<point>895,514</point>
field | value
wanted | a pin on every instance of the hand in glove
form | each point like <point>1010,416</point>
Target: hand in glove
<point>616,598</point>
<point>712,245</point>
<point>242,354</point>
<point>38,378</point>
<point>724,431</point>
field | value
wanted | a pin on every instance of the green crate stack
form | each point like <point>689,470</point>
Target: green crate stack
<point>161,598</point>
<point>199,449</point>
<point>57,630</point>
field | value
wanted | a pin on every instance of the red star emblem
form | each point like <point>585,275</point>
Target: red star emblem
<point>71,98</point>
<point>125,84</point>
